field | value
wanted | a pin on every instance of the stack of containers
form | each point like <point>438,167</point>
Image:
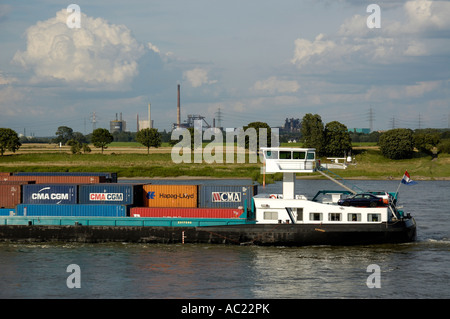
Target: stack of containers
<point>62,194</point>
<point>196,201</point>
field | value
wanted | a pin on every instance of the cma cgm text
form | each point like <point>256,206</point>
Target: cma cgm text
<point>46,196</point>
<point>106,197</point>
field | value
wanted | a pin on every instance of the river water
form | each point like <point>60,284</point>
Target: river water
<point>122,270</point>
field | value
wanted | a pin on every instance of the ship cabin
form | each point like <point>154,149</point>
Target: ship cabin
<point>293,208</point>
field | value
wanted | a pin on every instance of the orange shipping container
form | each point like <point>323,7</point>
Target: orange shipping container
<point>10,195</point>
<point>170,195</point>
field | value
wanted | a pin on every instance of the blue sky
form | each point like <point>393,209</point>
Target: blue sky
<point>255,60</point>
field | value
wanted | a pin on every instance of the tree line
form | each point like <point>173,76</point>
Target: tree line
<point>330,139</point>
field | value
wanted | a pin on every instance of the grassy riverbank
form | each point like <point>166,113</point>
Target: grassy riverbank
<point>133,161</point>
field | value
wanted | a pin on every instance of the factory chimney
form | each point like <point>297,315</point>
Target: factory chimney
<point>137,122</point>
<point>149,117</point>
<point>178,107</point>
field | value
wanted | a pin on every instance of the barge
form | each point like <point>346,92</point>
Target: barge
<point>247,218</point>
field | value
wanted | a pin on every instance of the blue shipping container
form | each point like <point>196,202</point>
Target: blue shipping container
<point>114,194</point>
<point>72,210</point>
<point>50,194</point>
<point>226,196</point>
<point>7,211</point>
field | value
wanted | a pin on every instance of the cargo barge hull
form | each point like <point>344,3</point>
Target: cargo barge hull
<point>237,234</point>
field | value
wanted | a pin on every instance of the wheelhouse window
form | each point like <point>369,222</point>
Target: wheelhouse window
<point>298,155</point>
<point>334,217</point>
<point>315,216</point>
<point>352,217</point>
<point>270,215</point>
<point>311,155</point>
<point>285,155</point>
<point>374,217</point>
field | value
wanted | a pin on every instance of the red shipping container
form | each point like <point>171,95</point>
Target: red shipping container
<point>10,195</point>
<point>5,174</point>
<point>57,179</point>
<point>186,212</point>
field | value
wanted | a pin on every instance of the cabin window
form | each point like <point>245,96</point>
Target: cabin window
<point>271,215</point>
<point>299,214</point>
<point>374,217</point>
<point>298,155</point>
<point>352,217</point>
<point>334,217</point>
<point>315,216</point>
<point>285,155</point>
<point>311,155</point>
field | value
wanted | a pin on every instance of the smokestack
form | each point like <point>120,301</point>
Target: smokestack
<point>137,122</point>
<point>149,117</point>
<point>178,107</point>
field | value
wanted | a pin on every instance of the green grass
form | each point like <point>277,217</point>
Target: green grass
<point>370,164</point>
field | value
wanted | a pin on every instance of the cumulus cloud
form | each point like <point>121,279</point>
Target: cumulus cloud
<point>425,14</point>
<point>274,85</point>
<point>414,32</point>
<point>95,54</point>
<point>198,77</point>
<point>305,50</point>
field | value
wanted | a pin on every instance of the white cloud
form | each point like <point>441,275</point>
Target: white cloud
<point>424,14</point>
<point>305,49</point>
<point>153,47</point>
<point>413,31</point>
<point>4,80</point>
<point>197,77</point>
<point>97,53</point>
<point>274,85</point>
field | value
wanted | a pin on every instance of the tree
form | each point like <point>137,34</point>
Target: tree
<point>63,134</point>
<point>149,137</point>
<point>101,137</point>
<point>313,132</point>
<point>9,140</point>
<point>75,146</point>
<point>337,139</point>
<point>427,140</point>
<point>397,143</point>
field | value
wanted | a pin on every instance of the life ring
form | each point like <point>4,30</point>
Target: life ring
<point>273,196</point>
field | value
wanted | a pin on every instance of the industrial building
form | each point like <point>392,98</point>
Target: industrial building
<point>117,125</point>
